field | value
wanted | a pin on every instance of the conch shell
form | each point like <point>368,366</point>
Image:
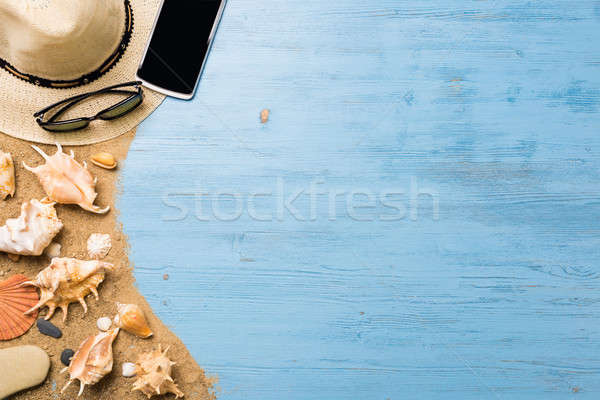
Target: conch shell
<point>67,280</point>
<point>131,318</point>
<point>66,181</point>
<point>92,360</point>
<point>7,176</point>
<point>32,232</point>
<point>154,374</point>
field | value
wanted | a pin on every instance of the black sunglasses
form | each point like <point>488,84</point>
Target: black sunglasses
<point>116,111</point>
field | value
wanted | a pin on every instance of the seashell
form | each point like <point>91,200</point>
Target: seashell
<point>32,232</point>
<point>154,374</point>
<point>104,160</point>
<point>92,360</point>
<point>53,250</point>
<point>66,181</point>
<point>131,318</point>
<point>98,246</point>
<point>7,176</point>
<point>264,115</point>
<point>14,301</point>
<point>68,280</point>
<point>128,370</point>
<point>104,324</point>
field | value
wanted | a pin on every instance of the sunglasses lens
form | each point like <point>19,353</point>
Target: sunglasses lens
<point>123,108</point>
<point>67,126</point>
<point>52,122</point>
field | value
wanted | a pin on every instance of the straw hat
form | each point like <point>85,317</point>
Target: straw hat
<point>54,49</point>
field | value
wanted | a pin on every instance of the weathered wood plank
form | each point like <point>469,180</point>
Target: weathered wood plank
<point>492,107</point>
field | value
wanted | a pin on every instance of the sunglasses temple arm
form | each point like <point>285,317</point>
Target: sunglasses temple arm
<point>85,95</point>
<point>64,109</point>
<point>76,101</point>
<point>132,83</point>
<point>50,107</point>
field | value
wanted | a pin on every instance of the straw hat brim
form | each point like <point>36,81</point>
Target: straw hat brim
<point>19,100</point>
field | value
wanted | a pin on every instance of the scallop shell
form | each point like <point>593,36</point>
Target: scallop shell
<point>66,181</point>
<point>14,301</point>
<point>68,280</point>
<point>92,360</point>
<point>154,374</point>
<point>7,176</point>
<point>131,318</point>
<point>32,232</point>
<point>98,246</point>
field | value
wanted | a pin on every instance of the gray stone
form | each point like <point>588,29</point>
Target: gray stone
<point>22,367</point>
<point>66,356</point>
<point>48,328</point>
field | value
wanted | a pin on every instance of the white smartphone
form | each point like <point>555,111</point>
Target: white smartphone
<point>179,45</point>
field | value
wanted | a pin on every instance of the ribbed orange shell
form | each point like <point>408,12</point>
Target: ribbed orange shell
<point>14,301</point>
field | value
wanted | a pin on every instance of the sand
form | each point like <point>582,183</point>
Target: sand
<point>118,286</point>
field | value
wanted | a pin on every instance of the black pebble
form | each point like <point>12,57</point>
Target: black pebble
<point>66,355</point>
<point>47,328</point>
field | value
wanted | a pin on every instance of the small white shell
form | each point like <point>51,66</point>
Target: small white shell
<point>104,323</point>
<point>128,369</point>
<point>53,250</point>
<point>98,246</point>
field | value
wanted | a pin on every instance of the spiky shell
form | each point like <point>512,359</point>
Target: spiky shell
<point>14,301</point>
<point>7,176</point>
<point>66,181</point>
<point>66,281</point>
<point>32,231</point>
<point>92,360</point>
<point>131,318</point>
<point>153,370</point>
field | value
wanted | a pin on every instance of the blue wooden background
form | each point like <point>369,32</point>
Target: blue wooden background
<point>491,107</point>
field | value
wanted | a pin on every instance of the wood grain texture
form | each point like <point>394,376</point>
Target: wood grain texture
<point>492,106</point>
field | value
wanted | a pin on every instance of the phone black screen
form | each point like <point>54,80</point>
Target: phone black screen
<point>179,44</point>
